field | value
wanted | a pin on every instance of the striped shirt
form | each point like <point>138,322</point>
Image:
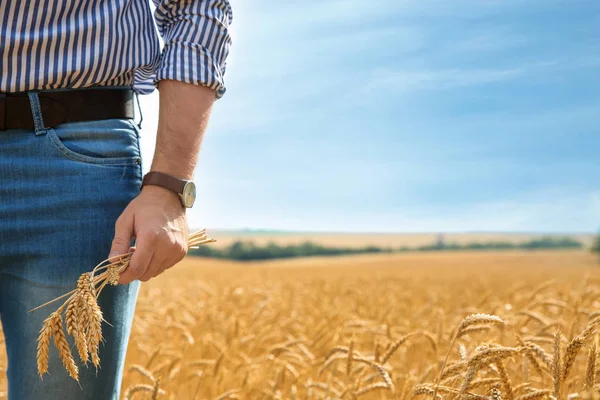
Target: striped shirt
<point>51,44</point>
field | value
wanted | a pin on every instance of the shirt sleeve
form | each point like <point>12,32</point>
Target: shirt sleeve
<point>196,41</point>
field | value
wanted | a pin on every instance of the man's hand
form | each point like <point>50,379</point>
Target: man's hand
<point>156,217</point>
<point>157,220</point>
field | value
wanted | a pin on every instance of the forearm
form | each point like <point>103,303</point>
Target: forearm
<point>192,30</point>
<point>155,217</point>
<point>183,116</point>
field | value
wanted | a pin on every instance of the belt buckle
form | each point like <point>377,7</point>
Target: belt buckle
<point>2,110</point>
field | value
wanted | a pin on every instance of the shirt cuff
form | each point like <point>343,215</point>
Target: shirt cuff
<point>192,63</point>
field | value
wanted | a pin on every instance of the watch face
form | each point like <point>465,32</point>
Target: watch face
<point>189,194</point>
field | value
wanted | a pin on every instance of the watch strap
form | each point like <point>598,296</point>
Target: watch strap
<point>165,180</point>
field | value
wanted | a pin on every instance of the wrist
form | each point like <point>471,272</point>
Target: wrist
<point>162,192</point>
<point>184,189</point>
<point>172,166</point>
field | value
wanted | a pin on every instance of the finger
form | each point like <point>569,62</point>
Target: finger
<point>158,265</point>
<point>155,268</point>
<point>140,260</point>
<point>123,232</point>
<point>178,253</point>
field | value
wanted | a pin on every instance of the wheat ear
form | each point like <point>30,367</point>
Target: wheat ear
<point>495,394</point>
<point>590,376</point>
<point>454,370</point>
<point>462,352</point>
<point>60,341</point>
<point>471,320</point>
<point>84,316</point>
<point>573,349</point>
<point>556,364</point>
<point>482,358</point>
<point>76,328</point>
<point>93,316</point>
<point>43,347</point>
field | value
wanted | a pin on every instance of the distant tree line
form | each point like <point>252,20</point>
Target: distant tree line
<point>596,245</point>
<point>249,251</point>
<point>542,243</point>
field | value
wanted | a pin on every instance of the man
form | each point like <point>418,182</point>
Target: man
<point>70,166</point>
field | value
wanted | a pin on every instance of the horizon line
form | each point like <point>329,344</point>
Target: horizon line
<point>338,232</point>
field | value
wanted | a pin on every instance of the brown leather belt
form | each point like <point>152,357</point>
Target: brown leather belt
<point>58,107</point>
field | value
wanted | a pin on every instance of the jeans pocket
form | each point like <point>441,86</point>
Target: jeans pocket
<point>112,142</point>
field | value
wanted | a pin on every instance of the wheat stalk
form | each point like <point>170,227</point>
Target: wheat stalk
<point>394,347</point>
<point>152,389</point>
<point>371,388</point>
<point>534,395</point>
<point>380,369</point>
<point>377,351</point>
<point>84,316</point>
<point>505,380</point>
<point>529,350</point>
<point>349,361</point>
<point>474,329</point>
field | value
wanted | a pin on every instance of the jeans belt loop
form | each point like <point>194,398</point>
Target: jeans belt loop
<point>36,113</point>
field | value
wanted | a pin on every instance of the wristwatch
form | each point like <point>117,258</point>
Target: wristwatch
<point>185,189</point>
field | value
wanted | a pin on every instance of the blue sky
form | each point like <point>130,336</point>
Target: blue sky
<point>405,116</point>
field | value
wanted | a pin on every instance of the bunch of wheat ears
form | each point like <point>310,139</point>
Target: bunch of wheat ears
<point>558,365</point>
<point>83,316</point>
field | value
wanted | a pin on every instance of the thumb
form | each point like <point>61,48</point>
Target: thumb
<point>123,233</point>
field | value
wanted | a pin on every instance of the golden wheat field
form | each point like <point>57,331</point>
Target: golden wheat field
<point>368,327</point>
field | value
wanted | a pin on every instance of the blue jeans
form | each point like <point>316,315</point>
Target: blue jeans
<point>61,191</point>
